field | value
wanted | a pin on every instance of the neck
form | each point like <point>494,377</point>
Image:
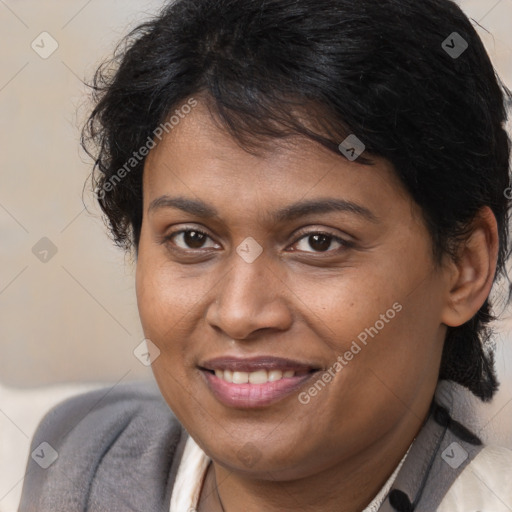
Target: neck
<point>348,486</point>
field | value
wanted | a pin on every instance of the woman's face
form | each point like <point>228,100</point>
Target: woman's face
<point>342,294</point>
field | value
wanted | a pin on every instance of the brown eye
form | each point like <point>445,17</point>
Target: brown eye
<point>194,239</point>
<point>189,239</point>
<point>319,242</point>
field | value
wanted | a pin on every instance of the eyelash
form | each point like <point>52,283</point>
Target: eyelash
<point>167,239</point>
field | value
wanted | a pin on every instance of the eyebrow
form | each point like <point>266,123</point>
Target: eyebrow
<point>291,212</point>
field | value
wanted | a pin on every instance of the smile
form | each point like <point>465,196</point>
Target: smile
<point>257,377</point>
<point>254,382</point>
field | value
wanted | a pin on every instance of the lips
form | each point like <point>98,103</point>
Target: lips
<point>254,382</point>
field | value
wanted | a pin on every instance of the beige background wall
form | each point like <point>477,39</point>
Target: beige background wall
<point>73,318</point>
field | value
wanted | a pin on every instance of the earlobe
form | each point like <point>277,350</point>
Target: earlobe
<point>472,274</point>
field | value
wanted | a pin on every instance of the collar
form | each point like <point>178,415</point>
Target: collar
<point>439,454</point>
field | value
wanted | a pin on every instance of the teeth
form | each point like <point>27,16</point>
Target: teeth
<point>227,375</point>
<point>240,377</point>
<point>257,377</point>
<point>274,375</point>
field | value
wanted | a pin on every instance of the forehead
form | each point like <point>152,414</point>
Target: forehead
<point>198,157</point>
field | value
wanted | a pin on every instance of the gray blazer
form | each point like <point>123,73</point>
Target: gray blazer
<point>118,450</point>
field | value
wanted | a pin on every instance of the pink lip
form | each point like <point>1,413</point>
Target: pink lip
<point>253,395</point>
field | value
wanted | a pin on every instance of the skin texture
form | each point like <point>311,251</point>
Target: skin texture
<point>198,302</point>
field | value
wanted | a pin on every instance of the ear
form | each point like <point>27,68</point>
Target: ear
<point>472,274</point>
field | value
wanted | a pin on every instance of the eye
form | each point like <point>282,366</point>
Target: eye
<point>189,239</point>
<point>195,239</point>
<point>320,242</point>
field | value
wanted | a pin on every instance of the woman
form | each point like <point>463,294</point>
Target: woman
<point>315,192</point>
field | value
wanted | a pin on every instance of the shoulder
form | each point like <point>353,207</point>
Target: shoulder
<point>485,482</point>
<point>124,437</point>
<point>109,406</point>
<point>104,416</point>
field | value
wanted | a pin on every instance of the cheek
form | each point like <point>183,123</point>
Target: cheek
<point>165,301</point>
<point>385,326</point>
<point>152,299</point>
<point>163,308</point>
<point>160,311</point>
<point>344,306</point>
<point>395,349</point>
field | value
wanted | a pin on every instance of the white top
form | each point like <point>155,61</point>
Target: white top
<point>192,470</point>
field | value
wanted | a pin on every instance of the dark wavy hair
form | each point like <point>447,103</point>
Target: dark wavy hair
<point>268,69</point>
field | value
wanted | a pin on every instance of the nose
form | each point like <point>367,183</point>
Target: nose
<point>250,297</point>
